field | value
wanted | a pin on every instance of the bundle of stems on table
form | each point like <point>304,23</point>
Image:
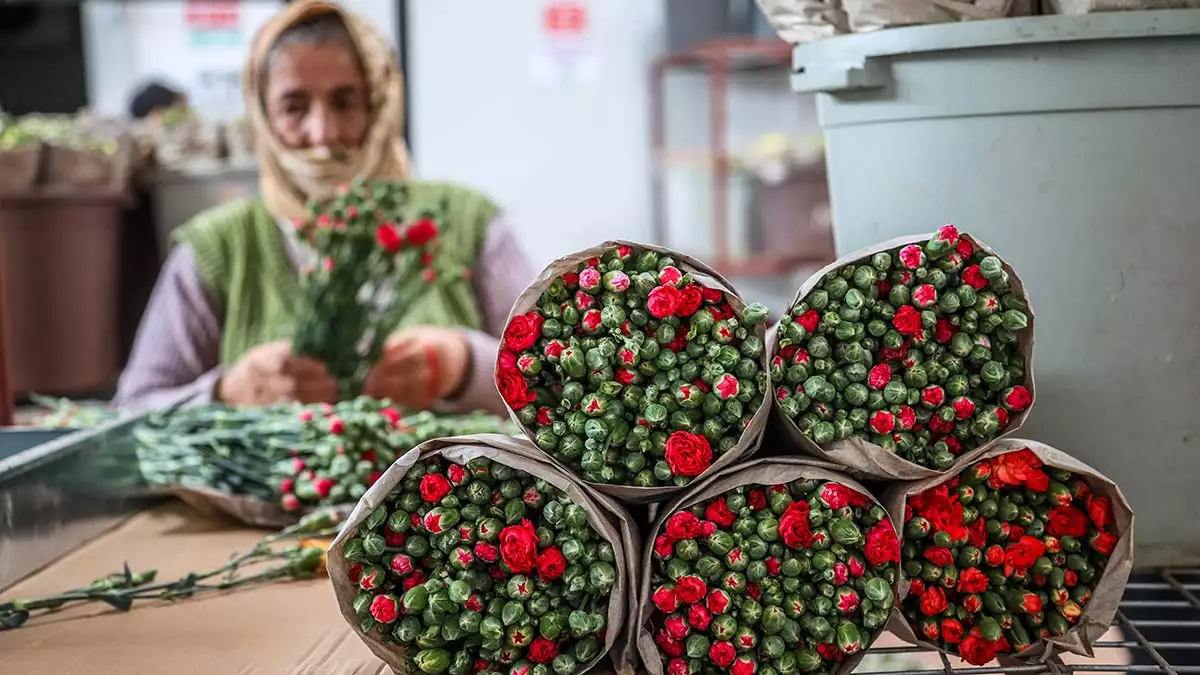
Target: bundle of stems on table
<point>299,456</point>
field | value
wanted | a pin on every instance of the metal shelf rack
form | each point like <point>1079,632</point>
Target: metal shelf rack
<point>1159,620</point>
<point>718,59</point>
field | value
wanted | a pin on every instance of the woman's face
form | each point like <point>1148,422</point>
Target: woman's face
<point>316,96</point>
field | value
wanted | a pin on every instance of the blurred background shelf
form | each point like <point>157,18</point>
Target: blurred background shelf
<point>787,228</point>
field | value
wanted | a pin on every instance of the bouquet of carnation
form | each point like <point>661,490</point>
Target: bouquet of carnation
<point>374,264</point>
<point>477,555</point>
<point>637,368</point>
<point>778,566</point>
<point>1023,553</point>
<point>899,360</point>
<point>265,466</point>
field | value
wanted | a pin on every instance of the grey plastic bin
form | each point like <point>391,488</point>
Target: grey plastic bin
<point>1072,146</point>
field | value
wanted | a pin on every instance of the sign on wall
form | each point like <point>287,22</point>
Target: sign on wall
<point>564,52</point>
<point>213,22</point>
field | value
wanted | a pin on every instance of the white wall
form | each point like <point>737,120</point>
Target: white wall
<point>129,43</point>
<point>570,162</point>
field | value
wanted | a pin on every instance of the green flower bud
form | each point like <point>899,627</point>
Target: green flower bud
<point>846,532</point>
<point>416,599</point>
<point>587,649</point>
<point>407,630</point>
<point>564,664</point>
<point>949,303</point>
<point>433,661</point>
<point>720,542</point>
<point>696,646</point>
<point>848,638</point>
<point>513,613</point>
<point>894,392</point>
<point>1014,320</point>
<point>808,659</point>
<point>754,314</point>
<point>879,592</point>
<point>856,394</point>
<point>991,268</point>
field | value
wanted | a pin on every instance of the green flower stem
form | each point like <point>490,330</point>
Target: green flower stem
<point>122,590</point>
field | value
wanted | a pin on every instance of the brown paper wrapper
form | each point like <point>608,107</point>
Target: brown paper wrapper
<point>800,21</point>
<point>1075,7</point>
<point>865,459</point>
<point>1106,598</point>
<point>608,518</point>
<point>751,435</point>
<point>766,471</point>
<point>871,15</point>
<point>20,167</point>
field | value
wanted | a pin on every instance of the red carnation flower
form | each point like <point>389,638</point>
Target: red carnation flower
<point>722,654</point>
<point>879,375</point>
<point>907,320</point>
<point>663,301</point>
<point>690,589</point>
<point>688,454</point>
<point>542,650</point>
<point>523,331</point>
<point>551,564</point>
<point>882,422</point>
<point>421,232</point>
<point>718,512</point>
<point>665,599</point>
<point>973,277</point>
<point>809,320</point>
<point>683,525</point>
<point>434,487</point>
<point>388,238</point>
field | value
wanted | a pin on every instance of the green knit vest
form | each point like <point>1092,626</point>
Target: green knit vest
<point>243,261</point>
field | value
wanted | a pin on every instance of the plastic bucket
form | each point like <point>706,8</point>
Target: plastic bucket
<point>1069,144</point>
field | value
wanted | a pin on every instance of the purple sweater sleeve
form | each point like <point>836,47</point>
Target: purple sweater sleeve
<point>176,355</point>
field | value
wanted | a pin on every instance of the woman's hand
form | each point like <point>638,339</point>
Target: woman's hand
<point>419,365</point>
<point>270,373</point>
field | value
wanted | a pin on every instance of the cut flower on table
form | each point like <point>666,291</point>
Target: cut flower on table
<point>266,466</point>
<point>295,552</point>
<point>637,368</point>
<point>899,360</point>
<point>1023,550</point>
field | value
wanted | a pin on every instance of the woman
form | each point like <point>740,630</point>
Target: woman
<point>323,98</point>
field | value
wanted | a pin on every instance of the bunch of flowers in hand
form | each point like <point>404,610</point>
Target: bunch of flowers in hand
<point>481,568</point>
<point>1005,553</point>
<point>772,580</point>
<point>375,260</point>
<point>919,349</point>
<point>632,370</point>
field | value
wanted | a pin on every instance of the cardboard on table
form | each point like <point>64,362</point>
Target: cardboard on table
<point>287,627</point>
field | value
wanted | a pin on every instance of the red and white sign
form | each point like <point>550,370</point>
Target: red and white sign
<point>565,18</point>
<point>212,14</point>
<point>564,52</point>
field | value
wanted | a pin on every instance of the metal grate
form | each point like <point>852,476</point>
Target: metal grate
<point>1159,620</point>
